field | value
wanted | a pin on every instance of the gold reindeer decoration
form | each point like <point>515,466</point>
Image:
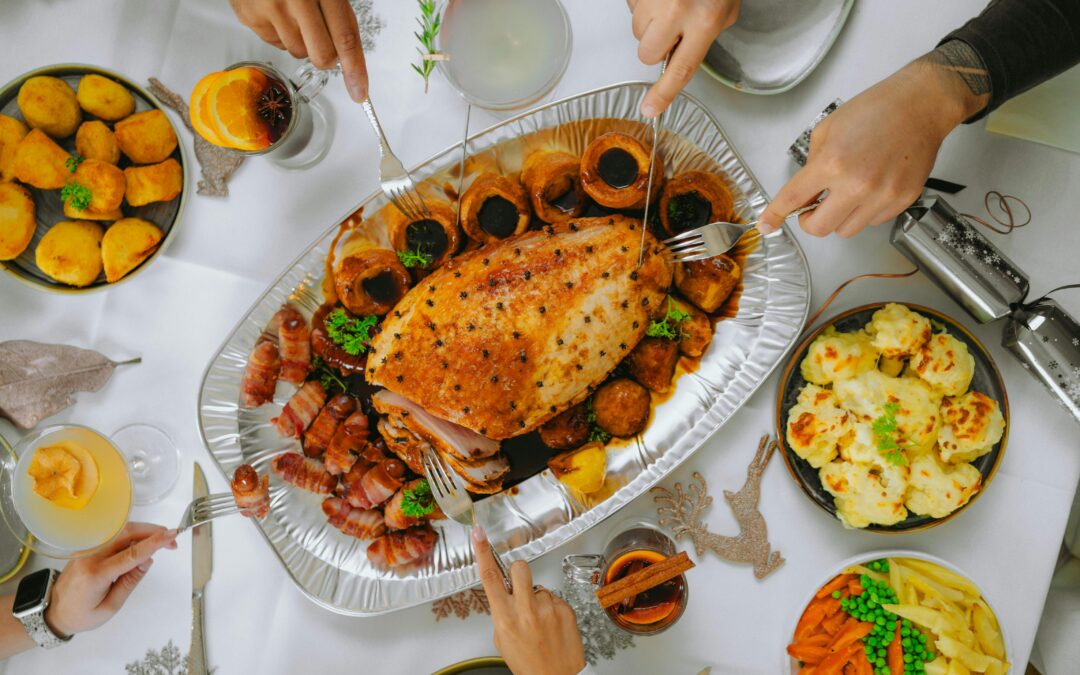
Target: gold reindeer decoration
<point>680,510</point>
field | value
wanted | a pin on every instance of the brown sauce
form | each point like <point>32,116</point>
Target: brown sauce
<point>497,216</point>
<point>381,288</point>
<point>350,223</point>
<point>688,211</point>
<point>427,236</point>
<point>618,168</point>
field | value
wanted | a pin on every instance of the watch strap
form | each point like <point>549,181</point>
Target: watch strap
<point>38,629</point>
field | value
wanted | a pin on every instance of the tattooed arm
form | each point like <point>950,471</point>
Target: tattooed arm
<point>875,152</point>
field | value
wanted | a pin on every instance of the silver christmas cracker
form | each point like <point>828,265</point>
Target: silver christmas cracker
<point>1047,341</point>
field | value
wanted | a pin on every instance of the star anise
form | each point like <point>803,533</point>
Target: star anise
<point>274,105</point>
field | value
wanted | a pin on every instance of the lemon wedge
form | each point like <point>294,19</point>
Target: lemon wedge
<point>66,475</point>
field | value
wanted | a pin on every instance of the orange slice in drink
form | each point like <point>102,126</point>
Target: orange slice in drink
<point>199,110</point>
<point>234,99</point>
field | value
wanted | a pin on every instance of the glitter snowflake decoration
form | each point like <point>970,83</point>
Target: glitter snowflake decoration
<point>969,234</point>
<point>1053,365</point>
<point>967,249</point>
<point>166,661</point>
<point>599,636</point>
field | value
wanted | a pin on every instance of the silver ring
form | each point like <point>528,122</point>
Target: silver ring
<point>539,589</point>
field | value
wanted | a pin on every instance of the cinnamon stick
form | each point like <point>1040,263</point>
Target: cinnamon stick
<point>652,576</point>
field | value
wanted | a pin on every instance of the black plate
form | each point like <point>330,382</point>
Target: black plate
<point>987,379</point>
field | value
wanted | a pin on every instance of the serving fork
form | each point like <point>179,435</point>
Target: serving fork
<point>206,508</point>
<point>714,239</point>
<point>396,182</point>
<point>449,491</point>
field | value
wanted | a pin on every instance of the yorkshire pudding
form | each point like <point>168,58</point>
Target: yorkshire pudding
<point>369,279</point>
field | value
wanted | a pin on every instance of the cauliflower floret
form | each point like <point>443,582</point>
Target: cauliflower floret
<point>838,356</point>
<point>815,425</point>
<point>973,424</point>
<point>937,489</point>
<point>867,493</point>
<point>945,363</point>
<point>916,406</point>
<point>860,446</point>
<point>898,331</point>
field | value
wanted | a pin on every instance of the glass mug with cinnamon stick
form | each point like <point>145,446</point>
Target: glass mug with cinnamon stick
<point>640,578</point>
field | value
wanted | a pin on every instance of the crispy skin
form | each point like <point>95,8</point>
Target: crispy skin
<point>95,140</point>
<point>17,220</point>
<point>572,306</point>
<point>11,132</point>
<point>146,137</point>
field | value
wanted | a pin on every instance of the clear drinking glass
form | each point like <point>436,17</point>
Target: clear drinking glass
<point>137,465</point>
<point>310,130</point>
<point>636,542</point>
<point>504,54</point>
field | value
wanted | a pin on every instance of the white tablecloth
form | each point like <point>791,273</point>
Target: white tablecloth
<point>176,313</point>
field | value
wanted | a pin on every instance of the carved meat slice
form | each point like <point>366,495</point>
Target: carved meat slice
<point>503,338</point>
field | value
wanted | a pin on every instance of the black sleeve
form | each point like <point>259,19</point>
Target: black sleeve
<point>1022,43</point>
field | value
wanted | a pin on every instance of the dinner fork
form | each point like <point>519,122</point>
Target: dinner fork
<point>396,182</point>
<point>449,491</point>
<point>204,509</point>
<point>715,238</point>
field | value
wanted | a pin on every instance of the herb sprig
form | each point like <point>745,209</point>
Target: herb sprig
<point>669,327</point>
<point>414,258</point>
<point>73,162</point>
<point>430,21</point>
<point>79,195</point>
<point>418,502</point>
<point>887,433</point>
<point>596,433</point>
<point>350,333</point>
<point>328,378</point>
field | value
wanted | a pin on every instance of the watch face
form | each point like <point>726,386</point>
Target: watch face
<point>31,591</point>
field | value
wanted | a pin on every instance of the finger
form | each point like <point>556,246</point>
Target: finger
<point>521,578</point>
<point>803,188</point>
<point>317,42</point>
<point>289,34</point>
<point>824,220</point>
<point>684,63</point>
<point>855,223</point>
<point>131,533</point>
<point>639,22</point>
<point>631,4</point>
<point>350,49</point>
<point>267,34</point>
<point>657,41</point>
<point>490,576</point>
<point>125,585</point>
<point>131,557</point>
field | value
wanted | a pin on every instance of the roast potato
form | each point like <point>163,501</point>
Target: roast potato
<point>155,183</point>
<point>126,244</point>
<point>707,283</point>
<point>104,98</point>
<point>95,140</point>
<point>582,470</point>
<point>85,214</point>
<point>17,221</point>
<point>106,184</point>
<point>652,363</point>
<point>146,137</point>
<point>569,429</point>
<point>695,333</point>
<point>49,104</point>
<point>40,162</point>
<point>11,132</point>
<point>70,252</point>
<point>622,407</point>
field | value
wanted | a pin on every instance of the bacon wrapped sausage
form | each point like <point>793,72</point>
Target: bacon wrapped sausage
<point>304,472</point>
<point>359,523</point>
<point>381,481</point>
<point>301,409</point>
<point>349,439</point>
<point>322,430</point>
<point>251,492</point>
<point>260,378</point>
<point>419,497</point>
<point>398,549</point>
<point>295,345</point>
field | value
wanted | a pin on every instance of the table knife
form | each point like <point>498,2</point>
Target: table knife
<point>202,565</point>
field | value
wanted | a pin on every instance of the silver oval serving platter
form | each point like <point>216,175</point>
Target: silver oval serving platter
<point>776,44</point>
<point>538,514</point>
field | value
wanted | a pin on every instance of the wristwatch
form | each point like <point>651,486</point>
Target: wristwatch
<point>31,601</point>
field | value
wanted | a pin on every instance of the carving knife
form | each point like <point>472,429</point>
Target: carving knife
<point>652,163</point>
<point>202,565</point>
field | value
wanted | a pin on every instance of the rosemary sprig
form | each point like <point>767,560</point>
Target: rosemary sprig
<point>430,21</point>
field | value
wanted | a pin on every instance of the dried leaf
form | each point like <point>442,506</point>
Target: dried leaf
<point>37,380</point>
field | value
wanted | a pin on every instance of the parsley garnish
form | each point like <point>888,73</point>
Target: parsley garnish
<point>350,333</point>
<point>79,195</point>
<point>414,258</point>
<point>596,434</point>
<point>329,379</point>
<point>669,327</point>
<point>430,21</point>
<point>417,502</point>
<point>73,162</point>
<point>887,433</point>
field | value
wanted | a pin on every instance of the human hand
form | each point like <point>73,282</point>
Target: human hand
<point>91,590</point>
<point>691,24</point>
<point>535,632</point>
<point>323,30</point>
<point>874,153</point>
